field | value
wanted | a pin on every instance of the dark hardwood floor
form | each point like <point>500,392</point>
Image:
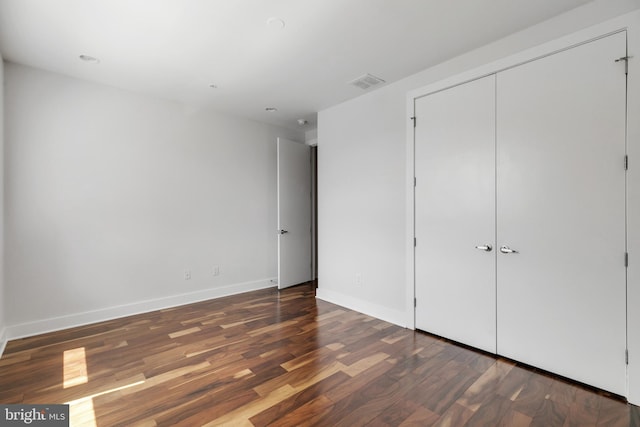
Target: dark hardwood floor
<point>285,359</point>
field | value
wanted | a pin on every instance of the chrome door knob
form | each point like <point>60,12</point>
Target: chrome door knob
<point>507,250</point>
<point>486,248</point>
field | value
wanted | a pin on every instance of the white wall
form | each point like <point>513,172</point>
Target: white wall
<point>311,137</point>
<point>361,163</point>
<point>364,182</point>
<point>3,339</point>
<point>111,195</point>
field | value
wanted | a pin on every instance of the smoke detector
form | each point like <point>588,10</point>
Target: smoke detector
<point>366,81</point>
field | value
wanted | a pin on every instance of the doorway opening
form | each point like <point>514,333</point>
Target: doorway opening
<point>314,214</point>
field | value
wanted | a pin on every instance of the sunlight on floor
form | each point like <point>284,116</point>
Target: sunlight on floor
<point>75,367</point>
<point>82,414</point>
<point>81,411</point>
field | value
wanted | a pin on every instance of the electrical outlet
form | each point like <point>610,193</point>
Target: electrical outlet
<point>187,274</point>
<point>358,279</point>
<point>216,270</point>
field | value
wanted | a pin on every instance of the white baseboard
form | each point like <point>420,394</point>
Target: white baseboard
<point>79,319</point>
<point>383,313</point>
<point>3,340</point>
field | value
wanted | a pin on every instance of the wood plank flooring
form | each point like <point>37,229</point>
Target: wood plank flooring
<point>285,359</point>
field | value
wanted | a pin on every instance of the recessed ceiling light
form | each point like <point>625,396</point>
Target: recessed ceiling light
<point>275,23</point>
<point>271,109</point>
<point>89,58</point>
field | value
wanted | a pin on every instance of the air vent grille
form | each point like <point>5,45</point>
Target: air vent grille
<point>366,81</point>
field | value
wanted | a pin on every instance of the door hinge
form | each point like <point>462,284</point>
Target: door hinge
<point>626,356</point>
<point>415,302</point>
<point>626,259</point>
<point>415,181</point>
<point>415,119</point>
<point>415,242</point>
<point>626,63</point>
<point>626,162</point>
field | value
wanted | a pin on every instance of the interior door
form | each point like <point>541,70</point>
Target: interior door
<point>455,213</point>
<point>294,213</point>
<point>561,207</point>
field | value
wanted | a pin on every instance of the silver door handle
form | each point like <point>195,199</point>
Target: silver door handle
<point>507,250</point>
<point>283,231</point>
<point>486,248</point>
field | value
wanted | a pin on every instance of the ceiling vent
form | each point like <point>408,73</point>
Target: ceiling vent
<point>366,81</point>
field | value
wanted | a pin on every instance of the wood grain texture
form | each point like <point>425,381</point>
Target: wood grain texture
<point>283,358</point>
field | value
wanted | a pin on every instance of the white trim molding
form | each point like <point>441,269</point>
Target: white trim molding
<point>3,340</point>
<point>80,319</point>
<point>358,304</point>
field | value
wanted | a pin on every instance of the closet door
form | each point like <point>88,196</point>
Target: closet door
<point>561,206</point>
<point>455,213</point>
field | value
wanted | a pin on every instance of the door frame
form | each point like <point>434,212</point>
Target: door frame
<point>282,142</point>
<point>630,23</point>
<point>314,211</point>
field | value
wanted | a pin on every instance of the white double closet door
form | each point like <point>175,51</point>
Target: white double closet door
<point>520,213</point>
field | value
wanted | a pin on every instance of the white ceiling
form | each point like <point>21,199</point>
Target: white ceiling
<point>175,49</point>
